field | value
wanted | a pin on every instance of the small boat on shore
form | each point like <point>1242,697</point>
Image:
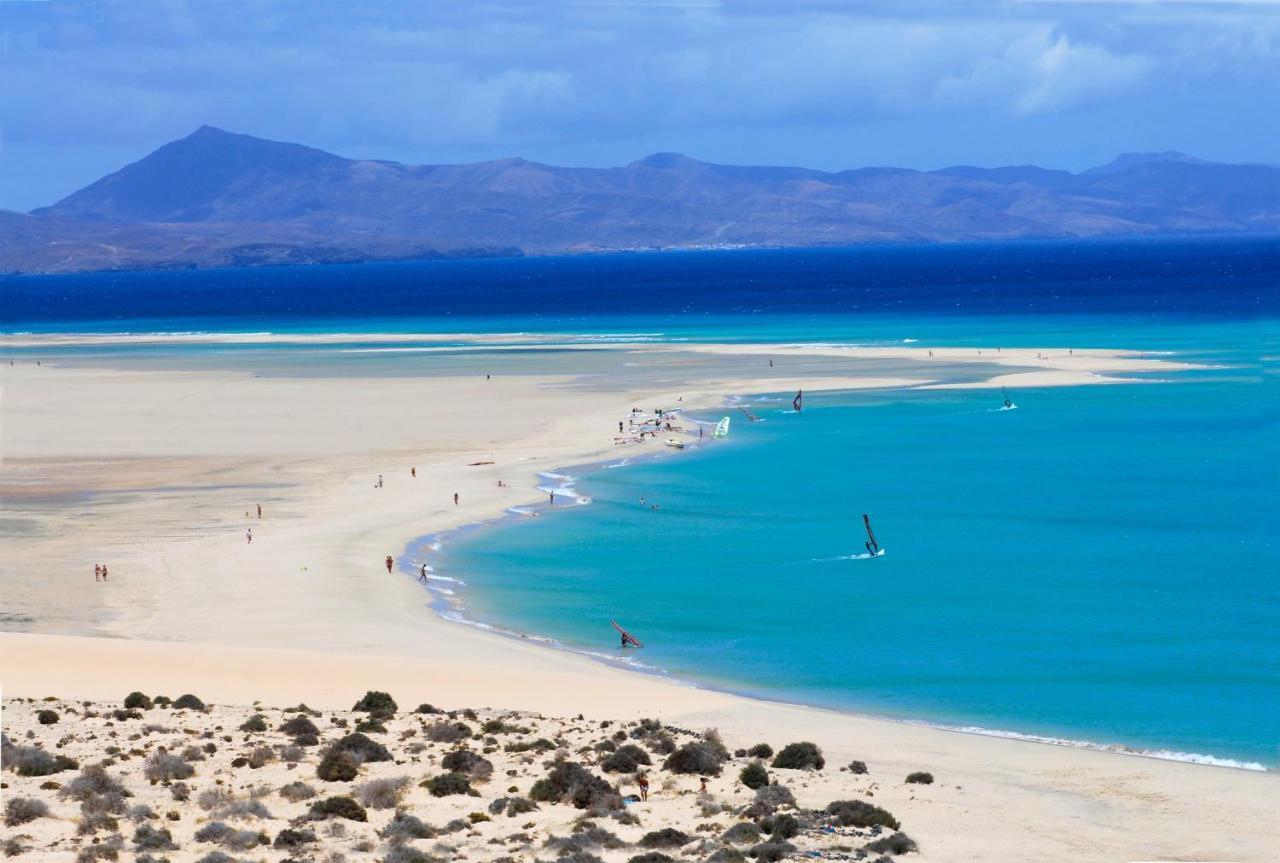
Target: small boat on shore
<point>675,443</point>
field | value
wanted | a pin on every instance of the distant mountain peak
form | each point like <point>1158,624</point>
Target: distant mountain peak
<point>667,161</point>
<point>1126,161</point>
<point>217,196</point>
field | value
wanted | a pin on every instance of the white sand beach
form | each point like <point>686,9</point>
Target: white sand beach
<point>158,472</point>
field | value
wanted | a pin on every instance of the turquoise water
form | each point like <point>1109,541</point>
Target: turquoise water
<point>1097,565</point>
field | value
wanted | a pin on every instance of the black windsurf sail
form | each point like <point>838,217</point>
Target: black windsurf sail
<point>798,401</point>
<point>628,640</point>
<point>872,545</point>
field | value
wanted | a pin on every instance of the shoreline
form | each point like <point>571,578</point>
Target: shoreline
<point>452,610</point>
<point>305,612</point>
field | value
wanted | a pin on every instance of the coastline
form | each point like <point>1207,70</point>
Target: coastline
<point>451,608</point>
<point>314,635</point>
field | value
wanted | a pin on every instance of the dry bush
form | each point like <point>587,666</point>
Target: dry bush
<point>20,810</point>
<point>382,793</point>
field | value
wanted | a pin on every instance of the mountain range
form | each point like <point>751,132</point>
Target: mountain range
<point>215,198</point>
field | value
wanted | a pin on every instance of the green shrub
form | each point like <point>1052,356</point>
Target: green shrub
<point>148,838</point>
<point>754,776</point>
<point>295,725</point>
<point>798,756</point>
<point>291,838</point>
<point>408,854</point>
<point>337,766</point>
<point>466,761</point>
<point>780,826</point>
<point>650,857</point>
<point>448,732</point>
<point>859,813</point>
<point>448,784</point>
<point>857,768</point>
<point>512,806</point>
<point>701,757</point>
<point>771,851</point>
<point>187,701</point>
<point>361,748</point>
<point>404,827</point>
<point>542,744</point>
<point>256,722</point>
<point>47,717</point>
<point>296,792</point>
<point>338,807</point>
<point>625,759</point>
<point>898,843</point>
<point>137,701</point>
<point>667,837</point>
<point>760,750</point>
<point>371,726</point>
<point>427,708</point>
<point>214,831</point>
<point>568,780</point>
<point>742,833</point>
<point>376,702</point>
<point>920,778</point>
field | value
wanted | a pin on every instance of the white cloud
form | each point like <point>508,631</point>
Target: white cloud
<point>1043,71</point>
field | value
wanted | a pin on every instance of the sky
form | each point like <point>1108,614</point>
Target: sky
<point>87,87</point>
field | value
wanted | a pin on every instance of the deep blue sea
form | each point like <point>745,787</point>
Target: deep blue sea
<point>1098,565</point>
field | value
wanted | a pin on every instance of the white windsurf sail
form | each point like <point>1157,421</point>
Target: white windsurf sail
<point>722,428</point>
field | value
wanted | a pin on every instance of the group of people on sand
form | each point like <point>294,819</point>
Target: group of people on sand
<point>99,572</point>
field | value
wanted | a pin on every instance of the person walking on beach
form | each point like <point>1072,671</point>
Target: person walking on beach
<point>97,572</point>
<point>379,480</point>
<point>455,498</point>
<point>389,562</point>
<point>413,472</point>
<point>619,426</point>
<point>702,789</point>
<point>553,498</point>
<point>259,510</point>
<point>248,535</point>
<point>104,572</point>
<point>642,782</point>
<point>422,574</point>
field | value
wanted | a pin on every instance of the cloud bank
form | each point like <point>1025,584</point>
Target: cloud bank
<point>818,83</point>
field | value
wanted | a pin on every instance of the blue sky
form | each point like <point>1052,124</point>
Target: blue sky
<point>87,87</point>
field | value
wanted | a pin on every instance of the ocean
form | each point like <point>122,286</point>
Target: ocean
<point>1097,566</point>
